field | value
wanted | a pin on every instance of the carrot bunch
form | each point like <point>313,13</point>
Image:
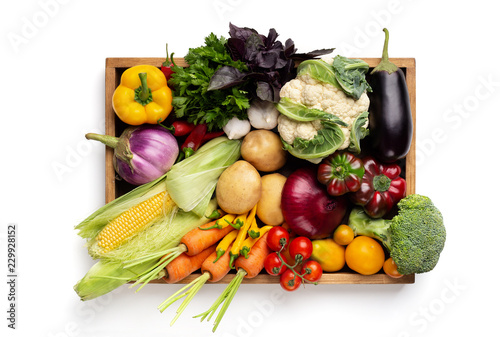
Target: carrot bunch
<point>239,235</point>
<point>213,269</point>
<point>244,235</point>
<point>247,267</point>
<point>192,244</point>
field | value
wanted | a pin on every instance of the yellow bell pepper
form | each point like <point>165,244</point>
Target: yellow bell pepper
<point>142,96</point>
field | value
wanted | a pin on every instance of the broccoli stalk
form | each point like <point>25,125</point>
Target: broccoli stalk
<point>415,237</point>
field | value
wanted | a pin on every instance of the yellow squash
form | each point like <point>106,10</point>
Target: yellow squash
<point>142,96</point>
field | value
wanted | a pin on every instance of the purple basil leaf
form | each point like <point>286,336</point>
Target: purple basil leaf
<point>287,73</point>
<point>281,63</point>
<point>241,33</point>
<point>267,92</point>
<point>312,54</point>
<point>225,77</point>
<point>254,46</point>
<point>289,48</point>
<point>236,48</point>
<point>271,38</point>
<point>267,59</point>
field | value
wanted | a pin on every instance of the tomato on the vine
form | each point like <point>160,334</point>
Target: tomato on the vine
<point>277,237</point>
<point>289,281</point>
<point>274,265</point>
<point>301,248</point>
<point>312,271</point>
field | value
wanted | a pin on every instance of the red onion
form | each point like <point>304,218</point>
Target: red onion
<point>307,207</point>
<point>142,154</point>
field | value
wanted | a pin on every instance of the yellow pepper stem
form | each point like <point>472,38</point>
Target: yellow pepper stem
<point>143,93</point>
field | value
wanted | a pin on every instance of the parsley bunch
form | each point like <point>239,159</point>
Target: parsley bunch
<point>192,99</point>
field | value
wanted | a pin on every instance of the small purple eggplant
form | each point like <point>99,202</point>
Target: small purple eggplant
<point>142,154</point>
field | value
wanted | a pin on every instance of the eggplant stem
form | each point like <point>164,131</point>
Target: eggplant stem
<point>110,141</point>
<point>385,64</point>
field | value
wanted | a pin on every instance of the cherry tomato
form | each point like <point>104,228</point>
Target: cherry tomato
<point>289,281</point>
<point>277,237</point>
<point>312,271</point>
<point>273,265</point>
<point>301,248</point>
<point>343,235</point>
<point>391,269</point>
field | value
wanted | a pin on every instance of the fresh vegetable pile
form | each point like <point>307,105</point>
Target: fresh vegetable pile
<point>255,160</point>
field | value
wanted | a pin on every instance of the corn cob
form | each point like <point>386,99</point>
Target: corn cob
<point>131,222</point>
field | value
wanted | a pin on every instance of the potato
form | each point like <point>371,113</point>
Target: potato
<point>264,150</point>
<point>239,188</point>
<point>269,205</point>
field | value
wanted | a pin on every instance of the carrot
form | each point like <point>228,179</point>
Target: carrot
<point>184,265</point>
<point>247,268</point>
<point>255,261</point>
<point>213,269</point>
<point>218,268</point>
<point>198,239</point>
<point>192,243</point>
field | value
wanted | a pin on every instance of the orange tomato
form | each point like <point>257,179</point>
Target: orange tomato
<point>329,254</point>
<point>391,269</point>
<point>343,235</point>
<point>365,255</point>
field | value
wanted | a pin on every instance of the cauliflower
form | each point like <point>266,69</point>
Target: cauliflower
<point>290,129</point>
<point>323,96</point>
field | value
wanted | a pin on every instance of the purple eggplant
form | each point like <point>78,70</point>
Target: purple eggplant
<point>390,118</point>
<point>141,154</point>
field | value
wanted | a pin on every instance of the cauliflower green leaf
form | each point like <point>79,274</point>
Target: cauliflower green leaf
<point>358,132</point>
<point>350,74</point>
<point>327,141</point>
<point>301,113</point>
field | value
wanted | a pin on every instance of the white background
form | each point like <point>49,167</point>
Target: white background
<point>52,93</point>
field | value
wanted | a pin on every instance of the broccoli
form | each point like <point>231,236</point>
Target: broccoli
<point>414,237</point>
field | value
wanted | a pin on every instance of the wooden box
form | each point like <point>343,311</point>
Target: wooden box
<point>114,188</point>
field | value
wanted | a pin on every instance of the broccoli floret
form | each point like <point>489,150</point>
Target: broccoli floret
<point>415,237</point>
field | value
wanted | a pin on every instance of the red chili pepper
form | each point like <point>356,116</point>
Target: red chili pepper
<point>211,135</point>
<point>181,128</point>
<point>166,67</point>
<point>381,188</point>
<point>194,140</point>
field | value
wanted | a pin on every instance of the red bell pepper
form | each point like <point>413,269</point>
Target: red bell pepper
<point>381,188</point>
<point>341,172</point>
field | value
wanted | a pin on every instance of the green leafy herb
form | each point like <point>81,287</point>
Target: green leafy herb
<point>193,100</point>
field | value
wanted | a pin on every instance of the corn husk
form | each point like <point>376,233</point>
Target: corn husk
<point>93,224</point>
<point>191,182</point>
<point>109,274</point>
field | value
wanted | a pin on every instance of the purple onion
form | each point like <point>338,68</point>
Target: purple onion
<point>142,154</point>
<point>307,207</point>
